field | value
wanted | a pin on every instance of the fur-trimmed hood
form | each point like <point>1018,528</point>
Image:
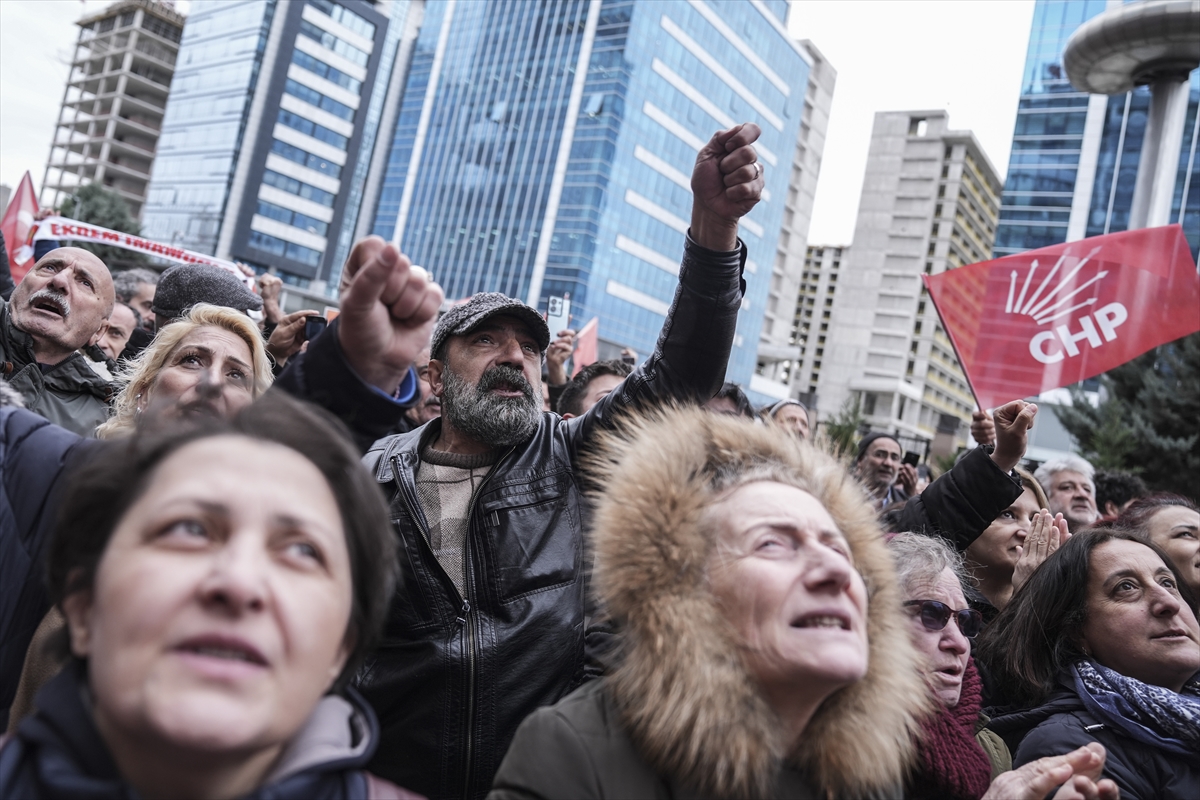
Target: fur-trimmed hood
<point>683,691</point>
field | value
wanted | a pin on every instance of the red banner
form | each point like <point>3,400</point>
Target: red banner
<point>1047,318</point>
<point>587,345</point>
<point>16,225</point>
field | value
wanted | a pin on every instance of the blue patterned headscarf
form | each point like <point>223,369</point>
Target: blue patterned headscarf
<point>1152,715</point>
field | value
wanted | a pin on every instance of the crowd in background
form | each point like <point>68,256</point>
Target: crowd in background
<point>246,554</point>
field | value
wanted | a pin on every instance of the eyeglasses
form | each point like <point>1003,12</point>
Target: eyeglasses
<point>935,615</point>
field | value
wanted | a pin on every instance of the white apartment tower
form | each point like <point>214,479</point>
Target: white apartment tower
<point>929,203</point>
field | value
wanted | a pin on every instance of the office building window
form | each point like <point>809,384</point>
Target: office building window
<point>319,132</point>
<point>306,159</point>
<point>345,16</point>
<point>278,247</point>
<point>323,70</point>
<point>293,186</point>
<point>331,42</point>
<point>315,98</point>
<point>293,218</point>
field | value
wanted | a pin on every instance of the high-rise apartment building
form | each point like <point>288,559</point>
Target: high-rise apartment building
<point>809,331</point>
<point>929,203</point>
<point>1075,156</point>
<point>112,108</point>
<point>269,130</point>
<point>545,148</point>
<point>780,347</point>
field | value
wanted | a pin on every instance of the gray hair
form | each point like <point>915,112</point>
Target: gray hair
<point>1069,463</point>
<point>126,282</point>
<point>920,560</point>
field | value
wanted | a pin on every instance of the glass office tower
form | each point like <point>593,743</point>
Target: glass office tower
<point>545,148</point>
<point>268,129</point>
<point>1075,156</point>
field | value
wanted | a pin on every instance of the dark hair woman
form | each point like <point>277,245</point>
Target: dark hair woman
<point>220,587</point>
<point>1173,523</point>
<point>1102,645</point>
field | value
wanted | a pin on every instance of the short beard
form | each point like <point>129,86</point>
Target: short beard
<point>494,421</point>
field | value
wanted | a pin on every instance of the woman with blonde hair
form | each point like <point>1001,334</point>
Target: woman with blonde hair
<point>158,380</point>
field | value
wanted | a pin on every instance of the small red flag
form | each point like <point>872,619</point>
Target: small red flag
<point>17,226</point>
<point>1038,320</point>
<point>587,345</point>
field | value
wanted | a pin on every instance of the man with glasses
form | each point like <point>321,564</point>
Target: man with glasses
<point>877,466</point>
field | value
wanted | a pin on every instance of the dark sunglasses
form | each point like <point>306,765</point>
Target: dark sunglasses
<point>935,615</point>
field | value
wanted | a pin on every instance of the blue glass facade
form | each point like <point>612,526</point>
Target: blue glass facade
<point>219,62</point>
<point>1052,133</point>
<point>486,112</point>
<point>268,131</point>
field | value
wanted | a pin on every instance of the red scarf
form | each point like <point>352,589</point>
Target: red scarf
<point>952,763</point>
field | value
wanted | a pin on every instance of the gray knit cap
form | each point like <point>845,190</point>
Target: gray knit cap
<point>466,317</point>
<point>185,285</point>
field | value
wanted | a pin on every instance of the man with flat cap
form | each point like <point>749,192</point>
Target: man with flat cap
<point>490,621</point>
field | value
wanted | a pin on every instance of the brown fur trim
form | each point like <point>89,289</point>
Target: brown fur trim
<point>682,686</point>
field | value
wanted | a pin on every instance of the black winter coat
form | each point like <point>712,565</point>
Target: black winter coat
<point>58,753</point>
<point>1063,724</point>
<point>961,504</point>
<point>454,675</point>
<point>33,453</point>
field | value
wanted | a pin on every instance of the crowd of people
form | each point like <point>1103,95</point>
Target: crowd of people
<point>411,555</point>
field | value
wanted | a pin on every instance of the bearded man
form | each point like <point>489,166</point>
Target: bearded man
<point>490,622</point>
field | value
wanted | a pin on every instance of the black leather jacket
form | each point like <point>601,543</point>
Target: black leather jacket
<point>454,675</point>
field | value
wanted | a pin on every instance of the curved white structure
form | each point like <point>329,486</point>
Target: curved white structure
<point>1155,43</point>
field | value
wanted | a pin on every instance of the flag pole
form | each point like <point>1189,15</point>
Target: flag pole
<point>953,343</point>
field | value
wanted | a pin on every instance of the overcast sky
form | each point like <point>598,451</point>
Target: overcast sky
<point>965,57</point>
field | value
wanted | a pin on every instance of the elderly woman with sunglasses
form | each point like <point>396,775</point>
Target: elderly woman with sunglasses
<point>957,756</point>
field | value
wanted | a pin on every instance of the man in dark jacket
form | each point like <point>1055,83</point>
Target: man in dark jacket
<point>486,500</point>
<point>61,303</point>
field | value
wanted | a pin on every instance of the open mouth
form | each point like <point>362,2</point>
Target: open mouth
<point>51,303</point>
<point>831,621</point>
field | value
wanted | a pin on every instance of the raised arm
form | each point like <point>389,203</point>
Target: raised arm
<point>360,368</point>
<point>688,364</point>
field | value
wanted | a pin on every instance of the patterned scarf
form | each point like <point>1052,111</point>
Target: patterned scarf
<point>1149,714</point>
<point>953,765</point>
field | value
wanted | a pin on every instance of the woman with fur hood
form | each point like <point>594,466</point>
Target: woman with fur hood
<point>764,653</point>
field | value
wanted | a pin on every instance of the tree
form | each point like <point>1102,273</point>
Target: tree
<point>1148,421</point>
<point>841,431</point>
<point>99,206</point>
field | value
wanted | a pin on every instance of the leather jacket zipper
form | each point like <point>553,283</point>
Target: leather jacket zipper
<point>467,618</point>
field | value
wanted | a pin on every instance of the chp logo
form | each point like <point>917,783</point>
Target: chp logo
<point>1058,305</point>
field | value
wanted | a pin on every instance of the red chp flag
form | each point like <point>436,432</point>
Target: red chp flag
<point>1042,319</point>
<point>16,226</point>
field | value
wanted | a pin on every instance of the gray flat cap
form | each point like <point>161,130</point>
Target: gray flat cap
<point>466,317</point>
<point>185,285</point>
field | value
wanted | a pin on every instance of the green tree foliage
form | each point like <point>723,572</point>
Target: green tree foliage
<point>1149,420</point>
<point>841,432</point>
<point>99,206</point>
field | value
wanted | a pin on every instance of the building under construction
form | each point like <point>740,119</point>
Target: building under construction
<point>112,108</point>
